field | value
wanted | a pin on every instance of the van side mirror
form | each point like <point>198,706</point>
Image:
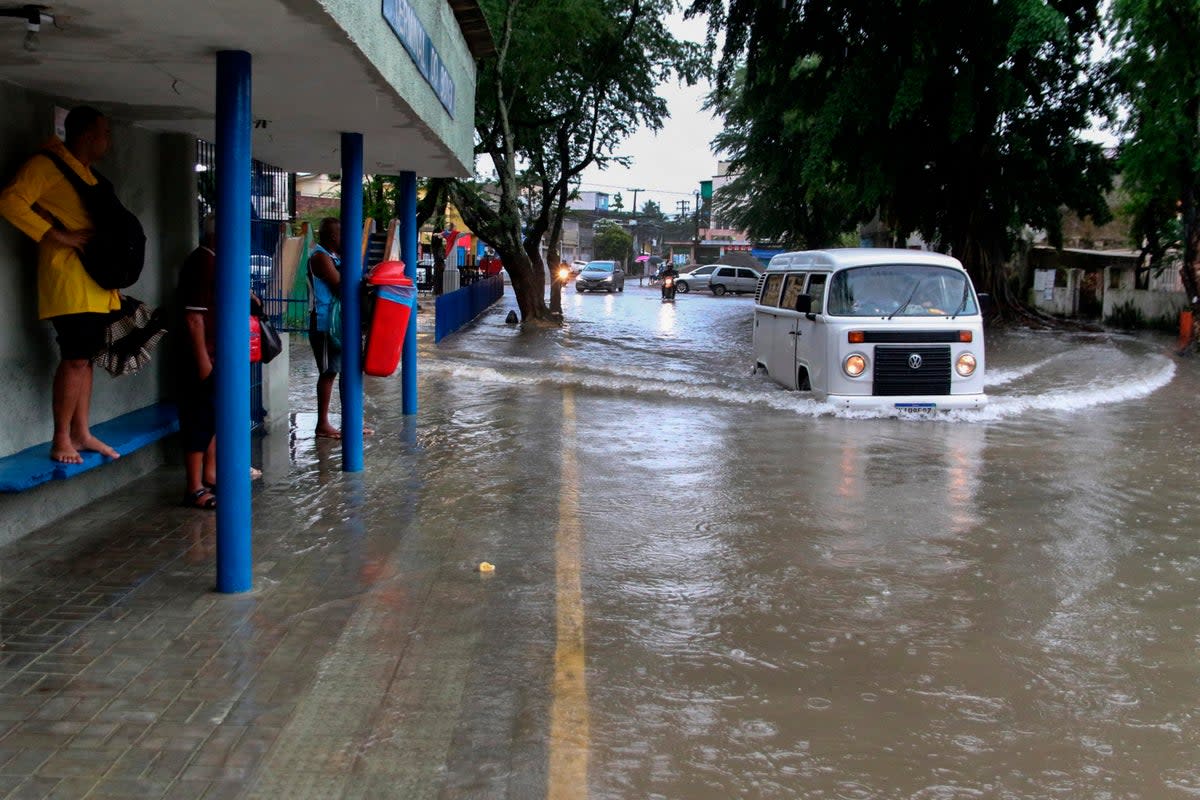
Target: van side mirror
<point>804,303</point>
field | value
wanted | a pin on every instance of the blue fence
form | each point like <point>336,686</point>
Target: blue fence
<point>457,308</point>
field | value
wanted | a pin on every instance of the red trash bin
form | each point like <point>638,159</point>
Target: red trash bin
<point>395,299</point>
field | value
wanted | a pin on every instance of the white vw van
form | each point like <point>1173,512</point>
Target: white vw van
<point>872,328</point>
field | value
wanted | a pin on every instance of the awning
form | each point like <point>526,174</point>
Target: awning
<point>319,68</point>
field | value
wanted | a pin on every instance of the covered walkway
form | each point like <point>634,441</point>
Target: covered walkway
<point>370,661</point>
<point>335,86</point>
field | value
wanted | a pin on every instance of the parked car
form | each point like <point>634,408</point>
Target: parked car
<point>601,276</point>
<point>261,267</point>
<point>739,280</point>
<point>697,278</point>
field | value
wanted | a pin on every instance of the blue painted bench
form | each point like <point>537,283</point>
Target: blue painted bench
<point>129,432</point>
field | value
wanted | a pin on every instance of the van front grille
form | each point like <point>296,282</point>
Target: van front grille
<point>895,374</point>
<point>914,337</point>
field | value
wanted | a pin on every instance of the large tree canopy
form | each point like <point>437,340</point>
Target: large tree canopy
<point>571,80</point>
<point>956,119</point>
<point>1157,69</point>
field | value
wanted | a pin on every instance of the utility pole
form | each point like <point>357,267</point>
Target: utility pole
<point>696,239</point>
<point>636,251</point>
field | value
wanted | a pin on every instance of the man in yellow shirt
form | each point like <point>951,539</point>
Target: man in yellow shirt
<point>41,203</point>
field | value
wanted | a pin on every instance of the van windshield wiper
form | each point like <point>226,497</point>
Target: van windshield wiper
<point>966,296</point>
<point>907,300</point>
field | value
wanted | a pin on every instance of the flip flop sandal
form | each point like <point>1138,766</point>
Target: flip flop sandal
<point>201,498</point>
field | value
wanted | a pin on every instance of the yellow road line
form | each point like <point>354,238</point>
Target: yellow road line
<point>569,736</point>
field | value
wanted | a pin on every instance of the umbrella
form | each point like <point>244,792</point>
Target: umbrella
<point>642,258</point>
<point>132,334</point>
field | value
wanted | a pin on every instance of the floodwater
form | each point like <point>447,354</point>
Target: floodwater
<point>767,599</point>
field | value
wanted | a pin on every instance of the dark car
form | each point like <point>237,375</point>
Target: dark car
<point>601,276</point>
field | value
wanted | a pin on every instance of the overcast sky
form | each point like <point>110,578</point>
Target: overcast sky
<point>669,165</point>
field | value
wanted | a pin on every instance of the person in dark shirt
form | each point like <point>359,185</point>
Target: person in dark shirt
<point>195,381</point>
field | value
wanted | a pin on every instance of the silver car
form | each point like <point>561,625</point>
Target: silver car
<point>601,276</point>
<point>696,279</point>
<point>739,280</point>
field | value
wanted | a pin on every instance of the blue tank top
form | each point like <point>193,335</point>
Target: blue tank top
<point>321,294</point>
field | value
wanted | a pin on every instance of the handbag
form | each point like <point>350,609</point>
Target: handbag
<point>271,343</point>
<point>265,342</point>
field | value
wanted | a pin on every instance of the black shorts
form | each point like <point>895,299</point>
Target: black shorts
<point>197,413</point>
<point>327,353</point>
<point>80,336</point>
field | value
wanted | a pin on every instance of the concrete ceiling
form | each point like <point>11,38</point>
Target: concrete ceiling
<point>152,63</point>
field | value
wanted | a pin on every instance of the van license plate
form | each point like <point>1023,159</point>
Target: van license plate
<point>916,408</point>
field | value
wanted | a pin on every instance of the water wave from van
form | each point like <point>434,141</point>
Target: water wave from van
<point>1126,376</point>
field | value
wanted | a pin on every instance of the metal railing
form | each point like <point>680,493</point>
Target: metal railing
<point>457,308</point>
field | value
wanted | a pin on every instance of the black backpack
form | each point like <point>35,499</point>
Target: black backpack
<point>116,250</point>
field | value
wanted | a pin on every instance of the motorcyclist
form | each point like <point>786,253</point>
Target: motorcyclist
<point>668,271</point>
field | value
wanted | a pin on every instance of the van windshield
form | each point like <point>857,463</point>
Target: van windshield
<point>903,290</point>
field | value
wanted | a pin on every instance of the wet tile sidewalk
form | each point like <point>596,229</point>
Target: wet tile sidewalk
<point>358,667</point>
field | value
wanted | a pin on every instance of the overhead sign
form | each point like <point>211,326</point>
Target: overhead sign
<point>402,18</point>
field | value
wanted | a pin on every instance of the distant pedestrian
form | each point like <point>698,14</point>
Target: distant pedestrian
<point>324,285</point>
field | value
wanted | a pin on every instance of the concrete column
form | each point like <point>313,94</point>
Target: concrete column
<point>408,254</point>
<point>352,271</point>
<point>233,331</point>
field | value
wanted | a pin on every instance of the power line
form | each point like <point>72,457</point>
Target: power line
<point>588,186</point>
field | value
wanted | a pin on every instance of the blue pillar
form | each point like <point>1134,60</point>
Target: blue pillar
<point>408,254</point>
<point>233,333</point>
<point>352,269</point>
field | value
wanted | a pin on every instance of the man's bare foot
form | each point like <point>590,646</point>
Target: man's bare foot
<point>65,453</point>
<point>90,442</point>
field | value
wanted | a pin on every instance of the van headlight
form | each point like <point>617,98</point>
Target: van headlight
<point>855,365</point>
<point>965,366</point>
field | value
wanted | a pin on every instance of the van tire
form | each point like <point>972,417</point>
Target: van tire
<point>718,290</point>
<point>682,287</point>
<point>803,384</point>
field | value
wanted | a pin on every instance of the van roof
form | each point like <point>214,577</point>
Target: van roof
<point>859,257</point>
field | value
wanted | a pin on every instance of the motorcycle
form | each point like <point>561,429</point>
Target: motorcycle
<point>668,288</point>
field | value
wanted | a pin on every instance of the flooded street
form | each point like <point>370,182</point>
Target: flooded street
<point>768,599</point>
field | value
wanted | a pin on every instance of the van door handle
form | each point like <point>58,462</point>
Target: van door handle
<point>795,333</point>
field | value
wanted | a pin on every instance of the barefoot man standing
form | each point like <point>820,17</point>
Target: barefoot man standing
<point>67,296</point>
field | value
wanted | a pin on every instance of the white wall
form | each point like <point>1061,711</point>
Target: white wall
<point>1153,305</point>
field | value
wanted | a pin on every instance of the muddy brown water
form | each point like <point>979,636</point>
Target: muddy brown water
<point>781,601</point>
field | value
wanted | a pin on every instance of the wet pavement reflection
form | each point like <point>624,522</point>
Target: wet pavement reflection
<point>706,587</point>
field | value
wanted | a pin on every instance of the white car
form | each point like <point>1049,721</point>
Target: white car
<point>739,280</point>
<point>696,279</point>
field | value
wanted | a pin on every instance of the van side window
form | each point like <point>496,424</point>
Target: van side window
<point>746,273</point>
<point>770,292</point>
<point>816,288</point>
<point>793,287</point>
